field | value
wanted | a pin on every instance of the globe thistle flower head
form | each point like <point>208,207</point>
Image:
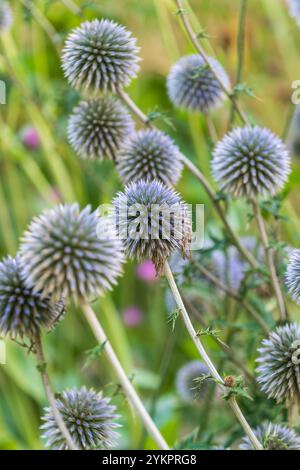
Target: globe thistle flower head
<point>98,128</point>
<point>278,374</point>
<point>6,16</point>
<point>66,253</point>
<point>294,8</point>
<point>150,154</point>
<point>193,85</point>
<point>152,221</point>
<point>293,275</point>
<point>273,437</point>
<point>89,418</point>
<point>187,381</point>
<point>251,161</point>
<point>100,56</point>
<point>23,311</point>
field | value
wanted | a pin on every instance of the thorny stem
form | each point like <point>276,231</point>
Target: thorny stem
<point>215,374</point>
<point>250,309</point>
<point>122,377</point>
<point>201,178</point>
<point>49,393</point>
<point>269,254</point>
<point>194,39</point>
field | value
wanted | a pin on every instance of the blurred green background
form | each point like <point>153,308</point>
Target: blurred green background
<point>39,97</point>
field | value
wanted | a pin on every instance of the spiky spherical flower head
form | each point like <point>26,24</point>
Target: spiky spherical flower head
<point>98,128</point>
<point>293,275</point>
<point>150,154</point>
<point>193,85</point>
<point>191,381</point>
<point>279,364</point>
<point>152,221</point>
<point>273,437</point>
<point>100,55</point>
<point>23,311</point>
<point>251,161</point>
<point>71,253</point>
<point>89,418</point>
<point>6,16</point>
<point>294,7</point>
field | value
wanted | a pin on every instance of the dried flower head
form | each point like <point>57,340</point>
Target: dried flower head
<point>193,85</point>
<point>251,161</point>
<point>23,311</point>
<point>273,437</point>
<point>152,220</point>
<point>98,128</point>
<point>189,383</point>
<point>100,55</point>
<point>279,364</point>
<point>6,16</point>
<point>294,8</point>
<point>293,275</point>
<point>66,254</point>
<point>89,418</point>
<point>150,154</point>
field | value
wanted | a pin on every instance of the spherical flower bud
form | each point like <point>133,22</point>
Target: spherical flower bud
<point>278,374</point>
<point>71,253</point>
<point>293,275</point>
<point>193,85</point>
<point>251,161</point>
<point>100,55</point>
<point>273,437</point>
<point>152,221</point>
<point>146,271</point>
<point>6,16</point>
<point>31,138</point>
<point>23,311</point>
<point>132,316</point>
<point>188,384</point>
<point>89,418</point>
<point>150,154</point>
<point>98,128</point>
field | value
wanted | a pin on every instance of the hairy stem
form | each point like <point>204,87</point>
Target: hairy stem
<point>122,377</point>
<point>194,39</point>
<point>269,254</point>
<point>201,178</point>
<point>42,367</point>
<point>215,374</point>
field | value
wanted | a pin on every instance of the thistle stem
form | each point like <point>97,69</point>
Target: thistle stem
<point>42,367</point>
<point>201,178</point>
<point>269,254</point>
<point>122,377</point>
<point>215,374</point>
<point>247,306</point>
<point>194,39</point>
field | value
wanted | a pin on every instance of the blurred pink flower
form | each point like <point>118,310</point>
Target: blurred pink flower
<point>132,316</point>
<point>30,138</point>
<point>146,271</point>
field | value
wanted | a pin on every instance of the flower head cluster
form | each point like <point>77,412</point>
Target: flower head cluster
<point>89,418</point>
<point>150,154</point>
<point>273,437</point>
<point>294,7</point>
<point>100,55</point>
<point>98,128</point>
<point>23,311</point>
<point>66,253</point>
<point>251,161</point>
<point>293,275</point>
<point>187,381</point>
<point>152,221</point>
<point>279,364</point>
<point>193,85</point>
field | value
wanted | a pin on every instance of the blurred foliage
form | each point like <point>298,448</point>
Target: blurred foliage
<point>38,96</point>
